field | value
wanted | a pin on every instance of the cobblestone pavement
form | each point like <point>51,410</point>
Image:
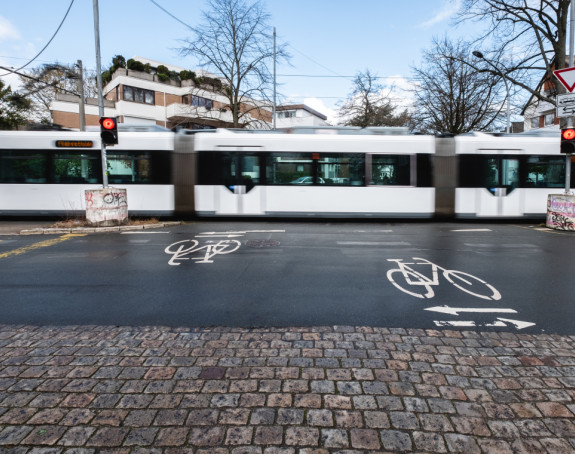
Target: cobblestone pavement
<point>106,389</point>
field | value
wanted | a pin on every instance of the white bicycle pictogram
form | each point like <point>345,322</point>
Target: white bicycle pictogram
<point>405,277</point>
<point>181,249</point>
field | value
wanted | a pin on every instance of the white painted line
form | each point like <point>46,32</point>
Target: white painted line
<point>242,232</point>
<point>510,246</point>
<point>472,230</point>
<point>373,243</point>
<point>140,232</point>
<point>457,310</point>
<point>217,236</point>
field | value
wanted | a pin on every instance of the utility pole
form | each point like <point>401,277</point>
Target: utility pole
<point>100,95</point>
<point>570,119</point>
<point>82,98</point>
<point>274,107</point>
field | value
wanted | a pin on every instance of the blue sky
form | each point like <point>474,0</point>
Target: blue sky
<point>327,39</point>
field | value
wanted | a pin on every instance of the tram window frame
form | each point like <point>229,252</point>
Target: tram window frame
<point>151,167</point>
<point>300,169</point>
<point>90,175</point>
<point>474,171</point>
<point>545,164</point>
<point>404,175</point>
<point>349,167</point>
<point>33,158</point>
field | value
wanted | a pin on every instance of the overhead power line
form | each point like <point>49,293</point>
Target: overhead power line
<point>171,15</point>
<point>44,48</point>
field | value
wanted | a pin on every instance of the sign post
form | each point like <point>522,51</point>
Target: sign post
<point>561,207</point>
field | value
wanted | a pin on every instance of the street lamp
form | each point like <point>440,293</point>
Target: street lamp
<point>478,54</point>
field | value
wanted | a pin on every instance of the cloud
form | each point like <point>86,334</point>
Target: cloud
<point>449,9</point>
<point>8,31</point>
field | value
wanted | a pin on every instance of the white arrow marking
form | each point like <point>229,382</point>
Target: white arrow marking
<point>457,310</point>
<point>519,324</point>
<point>501,322</point>
<point>454,323</point>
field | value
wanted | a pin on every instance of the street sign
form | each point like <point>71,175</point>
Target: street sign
<point>566,77</point>
<point>565,105</point>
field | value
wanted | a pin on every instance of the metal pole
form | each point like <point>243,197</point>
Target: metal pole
<point>82,111</point>
<point>100,95</point>
<point>274,106</point>
<point>570,119</point>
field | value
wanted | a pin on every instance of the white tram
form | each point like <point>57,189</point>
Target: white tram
<point>45,173</point>
<point>338,173</point>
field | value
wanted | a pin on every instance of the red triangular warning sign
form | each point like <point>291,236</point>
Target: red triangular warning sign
<point>566,77</point>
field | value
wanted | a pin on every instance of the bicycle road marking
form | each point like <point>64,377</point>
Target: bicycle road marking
<point>209,250</point>
<point>41,244</point>
<point>465,282</point>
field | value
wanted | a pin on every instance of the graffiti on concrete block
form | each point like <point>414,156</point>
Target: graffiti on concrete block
<point>115,199</point>
<point>561,212</point>
<point>106,206</point>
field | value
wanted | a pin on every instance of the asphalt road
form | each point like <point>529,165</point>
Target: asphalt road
<point>262,274</point>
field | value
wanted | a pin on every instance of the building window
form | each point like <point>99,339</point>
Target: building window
<point>138,95</point>
<point>198,101</point>
<point>286,114</point>
<point>549,119</point>
<point>534,122</point>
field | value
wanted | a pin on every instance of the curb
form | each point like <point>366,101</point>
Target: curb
<point>120,228</point>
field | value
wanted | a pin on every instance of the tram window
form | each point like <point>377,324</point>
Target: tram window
<point>217,168</point>
<point>23,167</point>
<point>76,168</point>
<point>129,167</point>
<point>390,170</point>
<point>545,172</point>
<point>290,168</point>
<point>251,169</point>
<point>342,169</point>
<point>502,172</point>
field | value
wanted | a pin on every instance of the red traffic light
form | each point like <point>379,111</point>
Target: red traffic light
<point>108,123</point>
<point>109,130</point>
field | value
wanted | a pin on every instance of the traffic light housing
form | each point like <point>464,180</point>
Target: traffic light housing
<point>109,130</point>
<point>568,140</point>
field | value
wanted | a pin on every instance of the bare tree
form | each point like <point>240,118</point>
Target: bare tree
<point>236,44</point>
<point>369,105</point>
<point>531,35</point>
<point>42,84</point>
<point>452,97</point>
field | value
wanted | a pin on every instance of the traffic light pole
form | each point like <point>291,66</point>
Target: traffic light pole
<point>570,119</point>
<point>100,94</point>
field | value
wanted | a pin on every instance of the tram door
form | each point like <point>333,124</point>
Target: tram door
<point>242,193</point>
<point>502,182</point>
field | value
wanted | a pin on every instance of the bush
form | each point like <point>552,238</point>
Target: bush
<point>135,65</point>
<point>187,75</point>
<point>162,70</point>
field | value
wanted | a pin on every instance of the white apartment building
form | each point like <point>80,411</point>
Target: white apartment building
<point>139,97</point>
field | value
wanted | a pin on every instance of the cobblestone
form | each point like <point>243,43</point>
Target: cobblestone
<point>318,390</point>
